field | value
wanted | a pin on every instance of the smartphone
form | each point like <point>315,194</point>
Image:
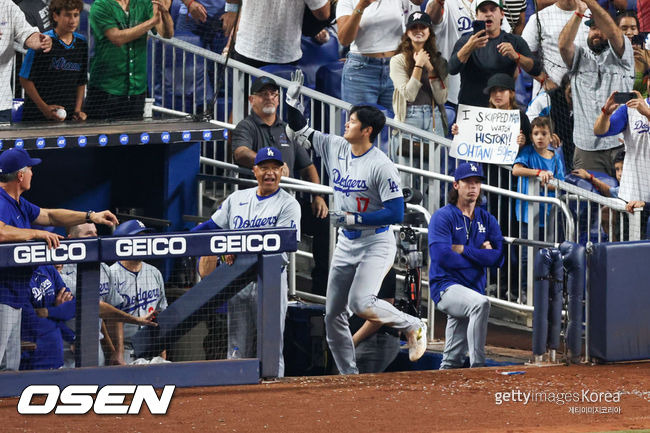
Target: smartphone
<point>639,39</point>
<point>623,97</point>
<point>478,26</point>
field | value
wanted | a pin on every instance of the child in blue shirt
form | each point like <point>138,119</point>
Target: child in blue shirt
<point>537,160</point>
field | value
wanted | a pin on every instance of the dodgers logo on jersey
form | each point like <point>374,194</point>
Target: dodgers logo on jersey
<point>347,185</point>
<point>142,299</point>
<point>481,227</point>
<point>103,289</point>
<point>464,24</point>
<point>240,223</point>
<point>641,127</point>
<point>392,185</point>
<point>39,292</point>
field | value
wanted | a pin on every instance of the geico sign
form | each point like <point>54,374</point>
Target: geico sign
<point>150,247</point>
<point>41,253</point>
<point>253,243</point>
<point>79,399</point>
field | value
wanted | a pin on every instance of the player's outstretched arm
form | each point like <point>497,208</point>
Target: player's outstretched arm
<point>68,218</point>
<point>391,213</point>
<point>206,225</point>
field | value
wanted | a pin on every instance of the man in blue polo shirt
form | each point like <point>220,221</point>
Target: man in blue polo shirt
<point>16,218</point>
<point>464,239</point>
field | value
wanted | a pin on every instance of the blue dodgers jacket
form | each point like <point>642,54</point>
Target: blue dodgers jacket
<point>449,226</point>
<point>46,332</point>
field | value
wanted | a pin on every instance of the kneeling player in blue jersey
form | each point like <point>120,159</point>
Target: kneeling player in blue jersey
<point>263,206</point>
<point>367,200</point>
<point>464,239</point>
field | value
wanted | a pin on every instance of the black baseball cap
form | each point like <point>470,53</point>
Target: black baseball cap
<point>418,18</point>
<point>263,82</point>
<point>504,81</point>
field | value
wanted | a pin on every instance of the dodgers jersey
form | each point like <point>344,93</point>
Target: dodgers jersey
<point>361,183</point>
<point>141,292</point>
<point>106,293</point>
<point>244,209</point>
<point>636,130</point>
<point>448,226</point>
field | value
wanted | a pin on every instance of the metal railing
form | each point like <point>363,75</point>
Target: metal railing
<point>186,79</point>
<point>424,155</point>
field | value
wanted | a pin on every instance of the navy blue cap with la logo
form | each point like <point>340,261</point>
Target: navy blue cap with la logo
<point>268,153</point>
<point>468,169</point>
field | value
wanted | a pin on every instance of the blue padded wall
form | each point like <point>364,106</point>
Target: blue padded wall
<point>619,301</point>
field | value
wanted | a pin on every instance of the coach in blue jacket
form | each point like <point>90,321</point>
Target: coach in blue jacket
<point>464,239</point>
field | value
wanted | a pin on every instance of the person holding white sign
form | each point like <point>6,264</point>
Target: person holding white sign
<point>501,91</point>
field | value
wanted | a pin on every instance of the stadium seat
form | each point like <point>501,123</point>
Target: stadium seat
<point>328,79</point>
<point>175,9</point>
<point>17,110</point>
<point>177,71</point>
<point>315,55</point>
<point>523,89</point>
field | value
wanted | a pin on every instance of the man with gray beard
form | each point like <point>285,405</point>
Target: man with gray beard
<point>605,66</point>
<point>264,128</point>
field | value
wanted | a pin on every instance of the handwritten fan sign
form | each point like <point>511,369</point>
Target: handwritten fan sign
<point>486,135</point>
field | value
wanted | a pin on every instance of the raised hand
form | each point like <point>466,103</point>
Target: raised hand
<point>292,95</point>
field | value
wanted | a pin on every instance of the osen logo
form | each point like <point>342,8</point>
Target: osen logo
<point>150,247</point>
<point>253,243</point>
<point>81,399</point>
<point>42,254</point>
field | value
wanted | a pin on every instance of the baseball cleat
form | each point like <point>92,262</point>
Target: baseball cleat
<point>418,343</point>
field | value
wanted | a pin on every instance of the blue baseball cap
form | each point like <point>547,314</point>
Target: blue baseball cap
<point>268,154</point>
<point>14,159</point>
<point>130,228</point>
<point>468,169</point>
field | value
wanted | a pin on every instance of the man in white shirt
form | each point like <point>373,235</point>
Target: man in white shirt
<point>14,28</point>
<point>605,66</point>
<point>542,33</point>
<point>269,30</point>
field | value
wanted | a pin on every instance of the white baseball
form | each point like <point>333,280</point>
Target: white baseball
<point>61,113</point>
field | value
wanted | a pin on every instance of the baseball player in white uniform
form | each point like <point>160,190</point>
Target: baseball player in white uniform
<point>141,291</point>
<point>259,207</point>
<point>107,298</point>
<point>367,199</point>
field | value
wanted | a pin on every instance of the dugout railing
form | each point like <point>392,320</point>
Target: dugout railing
<point>499,292</point>
<point>259,259</point>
